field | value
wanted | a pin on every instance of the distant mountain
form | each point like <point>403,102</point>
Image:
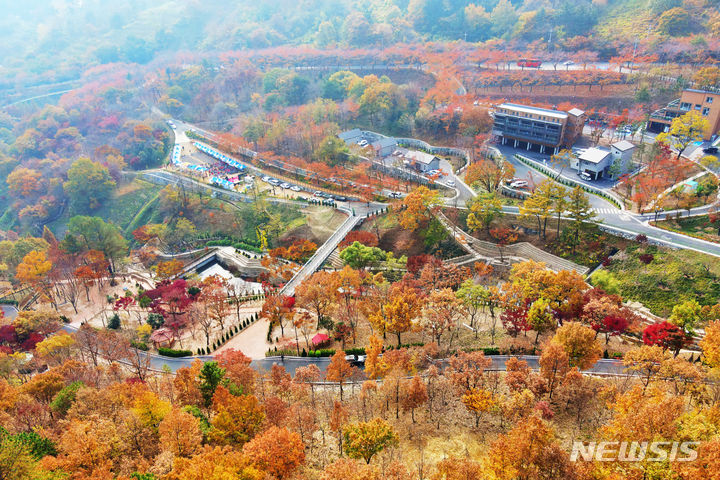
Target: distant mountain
<point>61,38</point>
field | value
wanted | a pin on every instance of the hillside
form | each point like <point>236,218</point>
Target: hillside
<point>46,45</point>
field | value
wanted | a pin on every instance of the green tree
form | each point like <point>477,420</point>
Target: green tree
<point>89,184</point>
<point>332,150</point>
<point>540,317</point>
<point>484,209</point>
<point>358,255</point>
<point>503,18</point>
<point>92,233</point>
<point>675,22</point>
<point>365,439</point>
<point>687,315</point>
<point>210,377</point>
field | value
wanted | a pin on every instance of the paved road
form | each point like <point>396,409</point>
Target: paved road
<point>602,367</point>
<point>621,222</point>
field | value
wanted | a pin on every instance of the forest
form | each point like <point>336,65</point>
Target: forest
<point>283,240</point>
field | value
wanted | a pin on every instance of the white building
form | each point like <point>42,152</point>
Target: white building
<point>599,162</point>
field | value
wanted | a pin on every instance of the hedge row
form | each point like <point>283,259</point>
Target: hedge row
<point>569,183</point>
<point>171,352</point>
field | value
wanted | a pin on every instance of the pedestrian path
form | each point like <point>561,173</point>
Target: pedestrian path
<point>608,211</point>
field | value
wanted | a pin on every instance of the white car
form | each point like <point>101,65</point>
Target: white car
<point>395,195</point>
<point>265,179</point>
<point>295,188</point>
<point>363,143</point>
<point>585,176</point>
<point>285,185</point>
<point>274,182</point>
<point>450,183</point>
<point>317,193</point>
<point>519,184</point>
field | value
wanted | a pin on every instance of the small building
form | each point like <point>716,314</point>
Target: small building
<point>603,163</point>
<point>594,161</point>
<point>384,146</point>
<point>422,162</point>
<point>705,101</point>
<point>622,153</point>
<point>351,137</point>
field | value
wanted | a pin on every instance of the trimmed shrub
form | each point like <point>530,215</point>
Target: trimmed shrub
<point>171,352</point>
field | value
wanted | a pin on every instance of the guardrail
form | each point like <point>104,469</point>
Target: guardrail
<point>562,179</point>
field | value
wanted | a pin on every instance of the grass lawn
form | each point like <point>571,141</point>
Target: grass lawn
<point>121,209</point>
<point>699,226</point>
<point>672,277</point>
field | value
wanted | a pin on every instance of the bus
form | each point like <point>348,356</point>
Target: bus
<point>527,62</point>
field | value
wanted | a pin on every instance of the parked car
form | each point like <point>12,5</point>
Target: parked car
<point>317,193</point>
<point>711,150</point>
<point>340,198</point>
<point>395,195</point>
<point>363,143</point>
<point>274,182</point>
<point>450,183</point>
<point>585,176</point>
<point>265,179</point>
<point>519,184</point>
<point>285,185</point>
<point>295,188</point>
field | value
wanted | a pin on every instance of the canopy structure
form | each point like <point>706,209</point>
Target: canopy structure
<point>319,339</point>
<point>219,156</point>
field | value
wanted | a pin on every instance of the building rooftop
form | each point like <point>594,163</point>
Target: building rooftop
<point>576,112</point>
<point>710,90</point>
<point>594,155</point>
<point>385,142</point>
<point>623,145</point>
<point>421,157</point>
<point>534,110</point>
<point>350,134</point>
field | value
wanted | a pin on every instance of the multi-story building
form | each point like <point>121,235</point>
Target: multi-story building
<point>706,102</point>
<point>537,128</point>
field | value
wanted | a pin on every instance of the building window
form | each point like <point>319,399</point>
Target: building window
<point>698,106</point>
<point>709,100</point>
<point>685,106</point>
<point>706,111</point>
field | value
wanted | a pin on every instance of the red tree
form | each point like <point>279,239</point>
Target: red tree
<point>666,335</point>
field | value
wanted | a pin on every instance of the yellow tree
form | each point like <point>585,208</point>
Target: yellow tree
<point>484,210</point>
<point>710,344</point>
<point>168,270</point>
<point>375,365</point>
<point>339,370</point>
<point>419,205</point>
<point>579,343</point>
<point>479,401</point>
<point>365,439</point>
<point>684,130</point>
<point>399,312</point>
<point>180,433</point>
<point>33,271</point>
<point>539,205</point>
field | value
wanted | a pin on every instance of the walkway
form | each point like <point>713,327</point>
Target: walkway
<point>491,253</point>
<point>321,254</point>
